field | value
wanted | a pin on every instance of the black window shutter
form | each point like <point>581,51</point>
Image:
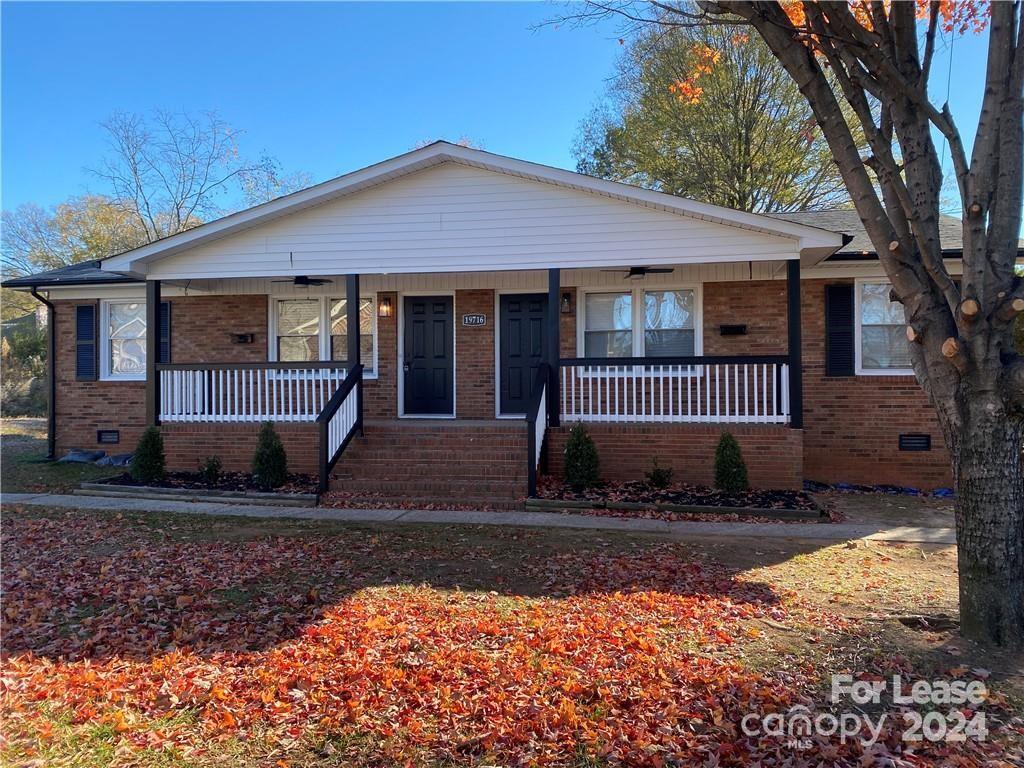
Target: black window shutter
<point>165,332</point>
<point>839,334</point>
<point>86,357</point>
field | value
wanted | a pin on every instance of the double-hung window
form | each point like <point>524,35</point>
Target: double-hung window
<point>642,322</point>
<point>298,330</point>
<point>313,329</point>
<point>608,329</point>
<point>881,344</point>
<point>669,326</point>
<point>339,331</point>
<point>123,339</point>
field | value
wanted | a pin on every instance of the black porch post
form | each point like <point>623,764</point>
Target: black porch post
<point>554,344</point>
<point>352,355</point>
<point>51,374</point>
<point>352,314</point>
<point>796,369</point>
<point>152,352</point>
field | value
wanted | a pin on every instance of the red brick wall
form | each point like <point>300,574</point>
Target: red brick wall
<point>626,451</point>
<point>567,326</point>
<point>474,356</point>
<point>852,423</point>
<point>760,305</point>
<point>185,445</point>
<point>86,406</point>
<point>380,396</point>
<point>202,328</point>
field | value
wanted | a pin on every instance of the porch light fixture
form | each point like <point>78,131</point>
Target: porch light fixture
<point>565,306</point>
<point>384,307</point>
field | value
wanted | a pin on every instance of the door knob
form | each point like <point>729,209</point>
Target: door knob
<point>406,367</point>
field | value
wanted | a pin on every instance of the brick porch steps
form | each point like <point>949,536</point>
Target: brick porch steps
<point>470,462</point>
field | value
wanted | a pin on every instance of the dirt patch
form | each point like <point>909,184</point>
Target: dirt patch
<point>892,510</point>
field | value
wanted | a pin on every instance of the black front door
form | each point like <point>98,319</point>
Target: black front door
<point>429,365</point>
<point>521,347</point>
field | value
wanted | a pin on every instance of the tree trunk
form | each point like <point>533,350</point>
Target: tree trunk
<point>989,485</point>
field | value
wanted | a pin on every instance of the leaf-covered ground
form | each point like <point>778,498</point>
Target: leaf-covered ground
<point>163,640</point>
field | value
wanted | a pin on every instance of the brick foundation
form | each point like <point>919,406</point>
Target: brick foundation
<point>185,445</point>
<point>626,451</point>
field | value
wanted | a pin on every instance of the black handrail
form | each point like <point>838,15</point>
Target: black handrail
<point>326,364</point>
<point>353,380</point>
<point>540,382</point>
<point>567,362</point>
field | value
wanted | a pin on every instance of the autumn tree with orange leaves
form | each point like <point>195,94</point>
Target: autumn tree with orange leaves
<point>863,66</point>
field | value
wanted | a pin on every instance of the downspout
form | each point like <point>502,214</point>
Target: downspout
<point>51,372</point>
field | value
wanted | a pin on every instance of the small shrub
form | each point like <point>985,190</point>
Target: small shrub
<point>270,464</point>
<point>581,462</point>
<point>210,469</point>
<point>148,461</point>
<point>659,477</point>
<point>730,469</point>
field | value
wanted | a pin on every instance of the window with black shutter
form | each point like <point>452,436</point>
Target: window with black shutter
<point>86,357</point>
<point>839,332</point>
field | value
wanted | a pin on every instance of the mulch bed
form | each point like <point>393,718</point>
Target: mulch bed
<point>640,492</point>
<point>700,517</point>
<point>229,481</point>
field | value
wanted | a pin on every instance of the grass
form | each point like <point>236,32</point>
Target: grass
<point>835,610</point>
<point>25,467</point>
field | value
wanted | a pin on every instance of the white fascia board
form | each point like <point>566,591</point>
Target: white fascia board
<point>812,243</point>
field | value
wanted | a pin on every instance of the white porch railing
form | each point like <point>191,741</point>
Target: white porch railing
<point>536,426</point>
<point>246,392</point>
<point>340,421</point>
<point>752,390</point>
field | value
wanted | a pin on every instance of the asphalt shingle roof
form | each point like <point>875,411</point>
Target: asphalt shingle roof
<point>847,222</point>
<point>84,273</point>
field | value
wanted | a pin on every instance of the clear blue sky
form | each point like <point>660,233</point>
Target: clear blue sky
<point>325,88</point>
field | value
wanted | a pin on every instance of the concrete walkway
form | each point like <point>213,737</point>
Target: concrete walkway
<point>815,531</point>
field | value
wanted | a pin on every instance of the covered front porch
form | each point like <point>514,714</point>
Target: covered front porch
<point>479,356</point>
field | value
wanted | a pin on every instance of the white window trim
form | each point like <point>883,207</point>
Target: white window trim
<point>324,340</point>
<point>639,315</point>
<point>105,373</point>
<point>859,369</point>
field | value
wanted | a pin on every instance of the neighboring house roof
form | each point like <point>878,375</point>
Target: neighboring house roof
<point>23,324</point>
<point>848,222</point>
<point>84,273</point>
<point>810,241</point>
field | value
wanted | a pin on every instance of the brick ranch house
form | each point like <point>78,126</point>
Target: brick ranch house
<point>498,303</point>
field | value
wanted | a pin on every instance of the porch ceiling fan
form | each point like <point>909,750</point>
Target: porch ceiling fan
<point>305,281</point>
<point>635,272</point>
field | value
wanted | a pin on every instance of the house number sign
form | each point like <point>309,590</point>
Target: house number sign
<point>474,319</point>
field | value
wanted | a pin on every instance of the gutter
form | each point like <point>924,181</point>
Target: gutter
<point>51,372</point>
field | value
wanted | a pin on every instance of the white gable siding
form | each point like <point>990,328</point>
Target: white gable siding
<point>453,217</point>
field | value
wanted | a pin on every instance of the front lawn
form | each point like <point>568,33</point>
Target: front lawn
<point>25,468</point>
<point>164,640</point>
